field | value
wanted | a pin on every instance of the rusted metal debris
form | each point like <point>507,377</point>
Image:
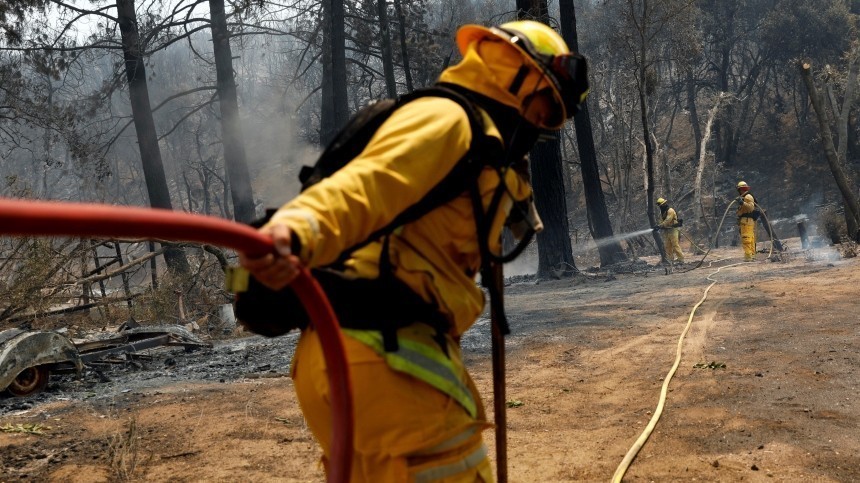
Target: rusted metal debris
<point>28,358</point>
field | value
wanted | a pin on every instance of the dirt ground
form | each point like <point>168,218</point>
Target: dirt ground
<point>586,362</point>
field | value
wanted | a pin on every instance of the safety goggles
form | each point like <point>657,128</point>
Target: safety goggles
<point>568,72</point>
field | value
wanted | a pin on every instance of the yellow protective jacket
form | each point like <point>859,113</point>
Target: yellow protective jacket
<point>745,208</point>
<point>669,219</point>
<point>438,255</point>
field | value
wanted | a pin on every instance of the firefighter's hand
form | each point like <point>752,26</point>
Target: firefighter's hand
<point>274,270</point>
<point>655,228</point>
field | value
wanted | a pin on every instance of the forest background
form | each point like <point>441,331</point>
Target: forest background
<point>212,107</point>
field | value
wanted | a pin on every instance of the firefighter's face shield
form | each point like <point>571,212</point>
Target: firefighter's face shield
<point>567,72</point>
<point>571,72</point>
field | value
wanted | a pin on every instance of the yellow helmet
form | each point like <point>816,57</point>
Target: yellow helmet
<point>743,186</point>
<point>545,51</point>
<point>660,201</point>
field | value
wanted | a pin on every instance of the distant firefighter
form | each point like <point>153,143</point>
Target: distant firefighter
<point>747,216</point>
<point>669,228</point>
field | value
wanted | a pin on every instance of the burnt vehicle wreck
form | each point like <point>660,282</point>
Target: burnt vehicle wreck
<point>29,358</point>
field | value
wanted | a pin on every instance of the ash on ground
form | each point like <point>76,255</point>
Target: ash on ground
<point>256,356</point>
<point>227,361</point>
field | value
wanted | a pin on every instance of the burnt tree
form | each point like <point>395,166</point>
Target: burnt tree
<point>595,202</point>
<point>554,247</point>
<point>335,107</point>
<point>150,154</point>
<point>385,47</point>
<point>235,161</point>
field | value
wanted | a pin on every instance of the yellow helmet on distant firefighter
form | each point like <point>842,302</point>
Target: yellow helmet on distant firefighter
<point>542,51</point>
<point>661,201</point>
<point>743,186</point>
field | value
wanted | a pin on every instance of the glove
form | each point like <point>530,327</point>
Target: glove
<point>655,228</point>
<point>740,200</point>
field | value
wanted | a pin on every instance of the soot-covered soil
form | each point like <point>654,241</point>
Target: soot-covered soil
<point>766,389</point>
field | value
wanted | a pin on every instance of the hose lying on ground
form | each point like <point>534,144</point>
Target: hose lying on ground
<point>634,450</point>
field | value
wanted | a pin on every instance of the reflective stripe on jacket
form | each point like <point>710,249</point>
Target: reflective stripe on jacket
<point>419,355</point>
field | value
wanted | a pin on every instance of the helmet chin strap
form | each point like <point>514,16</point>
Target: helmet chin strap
<point>517,83</point>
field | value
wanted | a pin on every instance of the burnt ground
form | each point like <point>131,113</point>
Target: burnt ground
<point>766,389</point>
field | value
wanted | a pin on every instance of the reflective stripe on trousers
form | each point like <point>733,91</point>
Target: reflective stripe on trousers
<point>422,361</point>
<point>468,463</point>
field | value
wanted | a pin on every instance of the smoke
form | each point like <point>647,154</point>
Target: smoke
<point>525,264</point>
<point>275,156</point>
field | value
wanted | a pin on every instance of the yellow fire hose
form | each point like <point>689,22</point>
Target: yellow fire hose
<point>634,450</point>
<point>646,433</point>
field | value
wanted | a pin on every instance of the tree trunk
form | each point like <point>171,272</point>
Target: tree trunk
<point>404,51</point>
<point>702,149</point>
<point>665,171</point>
<point>554,248</point>
<point>385,45</point>
<point>124,276</point>
<point>235,162</point>
<point>845,112</point>
<point>649,168</point>
<point>846,187</point>
<point>722,130</point>
<point>150,155</point>
<point>595,202</point>
<point>327,123</point>
<point>338,63</point>
<point>642,59</point>
<point>694,113</point>
<point>335,106</point>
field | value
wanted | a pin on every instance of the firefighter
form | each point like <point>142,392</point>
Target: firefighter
<point>418,415</point>
<point>669,228</point>
<point>747,220</point>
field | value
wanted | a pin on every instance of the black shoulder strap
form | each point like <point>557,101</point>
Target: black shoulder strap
<point>483,150</point>
<point>349,142</point>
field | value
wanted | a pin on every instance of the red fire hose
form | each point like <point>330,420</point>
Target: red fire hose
<point>41,218</point>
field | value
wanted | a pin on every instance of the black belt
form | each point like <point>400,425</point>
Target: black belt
<point>384,304</point>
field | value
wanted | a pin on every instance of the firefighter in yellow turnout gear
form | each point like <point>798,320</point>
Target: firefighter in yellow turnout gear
<point>418,415</point>
<point>669,228</point>
<point>746,220</point>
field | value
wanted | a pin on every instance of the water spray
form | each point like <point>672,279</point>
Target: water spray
<point>617,238</point>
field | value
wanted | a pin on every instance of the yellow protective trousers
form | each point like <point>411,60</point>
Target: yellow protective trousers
<point>672,245</point>
<point>405,430</point>
<point>747,228</point>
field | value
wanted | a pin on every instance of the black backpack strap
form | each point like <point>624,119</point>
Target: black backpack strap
<point>349,142</point>
<point>483,150</point>
<point>483,223</point>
